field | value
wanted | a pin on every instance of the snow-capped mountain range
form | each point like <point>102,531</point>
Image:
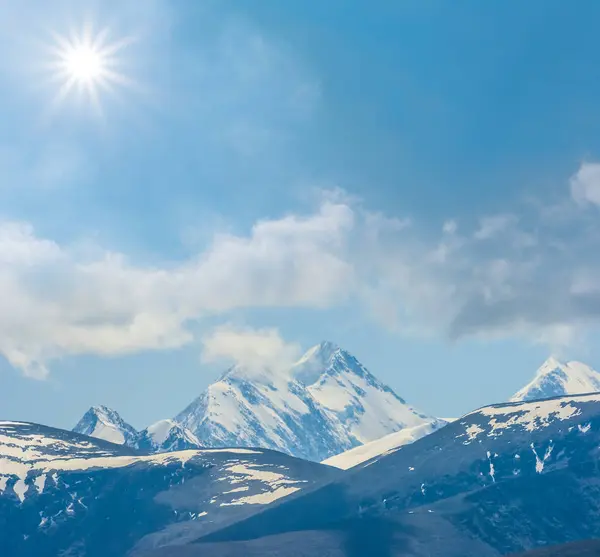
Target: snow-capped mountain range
<point>325,404</point>
<point>62,493</point>
<point>499,480</point>
<point>326,407</point>
<point>552,379</point>
<point>167,435</point>
<point>491,483</point>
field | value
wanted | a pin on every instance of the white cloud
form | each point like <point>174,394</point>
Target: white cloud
<point>56,301</point>
<point>255,349</point>
<point>492,226</point>
<point>585,184</point>
<point>450,227</point>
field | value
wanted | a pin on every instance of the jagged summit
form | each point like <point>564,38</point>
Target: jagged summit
<point>105,423</point>
<point>310,366</point>
<point>324,404</point>
<point>556,378</point>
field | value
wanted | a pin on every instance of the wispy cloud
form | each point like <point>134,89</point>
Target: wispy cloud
<point>254,349</point>
<point>585,184</point>
<point>58,300</point>
<point>492,226</point>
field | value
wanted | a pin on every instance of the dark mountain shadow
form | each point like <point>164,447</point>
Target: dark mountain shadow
<point>375,537</point>
<point>588,548</point>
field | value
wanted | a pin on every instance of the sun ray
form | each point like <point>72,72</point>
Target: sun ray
<point>87,64</point>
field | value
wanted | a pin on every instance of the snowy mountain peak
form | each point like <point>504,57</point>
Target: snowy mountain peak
<point>555,378</point>
<point>325,404</point>
<point>104,423</point>
<point>310,366</point>
<point>167,436</point>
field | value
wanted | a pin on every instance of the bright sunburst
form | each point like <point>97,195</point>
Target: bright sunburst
<point>87,63</point>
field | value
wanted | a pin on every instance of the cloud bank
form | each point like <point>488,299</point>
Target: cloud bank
<point>510,275</point>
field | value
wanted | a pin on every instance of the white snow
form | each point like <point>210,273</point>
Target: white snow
<point>20,489</point>
<point>584,428</point>
<point>263,498</point>
<point>380,412</point>
<point>492,471</point>
<point>473,431</point>
<point>528,415</point>
<point>104,423</point>
<point>326,384</point>
<point>40,482</point>
<point>539,462</point>
<point>383,446</point>
<point>108,432</point>
<point>160,431</point>
<point>279,484</point>
<point>28,459</point>
<point>237,489</point>
<point>232,450</point>
<point>555,378</point>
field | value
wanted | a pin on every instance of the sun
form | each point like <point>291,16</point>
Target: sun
<point>87,63</point>
<point>84,64</point>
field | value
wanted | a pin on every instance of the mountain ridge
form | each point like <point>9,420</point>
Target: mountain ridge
<point>102,422</point>
<point>326,403</point>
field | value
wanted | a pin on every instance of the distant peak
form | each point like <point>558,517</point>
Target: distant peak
<point>321,352</point>
<point>551,364</point>
<point>314,361</point>
<point>104,413</point>
<point>105,423</point>
<point>328,346</point>
<point>556,378</point>
<point>101,409</point>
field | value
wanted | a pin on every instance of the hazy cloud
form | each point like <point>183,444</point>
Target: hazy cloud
<point>57,300</point>
<point>585,184</point>
<point>255,349</point>
<point>492,226</point>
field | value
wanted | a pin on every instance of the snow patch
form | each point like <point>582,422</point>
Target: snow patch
<point>20,488</point>
<point>40,482</point>
<point>584,428</point>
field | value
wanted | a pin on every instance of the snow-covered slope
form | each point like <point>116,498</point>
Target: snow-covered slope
<point>63,493</point>
<point>104,423</point>
<point>510,476</point>
<point>249,409</point>
<point>555,378</point>
<point>366,408</point>
<point>325,404</point>
<point>384,446</point>
<point>166,436</point>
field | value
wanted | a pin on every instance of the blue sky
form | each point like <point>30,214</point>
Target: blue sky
<point>415,181</point>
